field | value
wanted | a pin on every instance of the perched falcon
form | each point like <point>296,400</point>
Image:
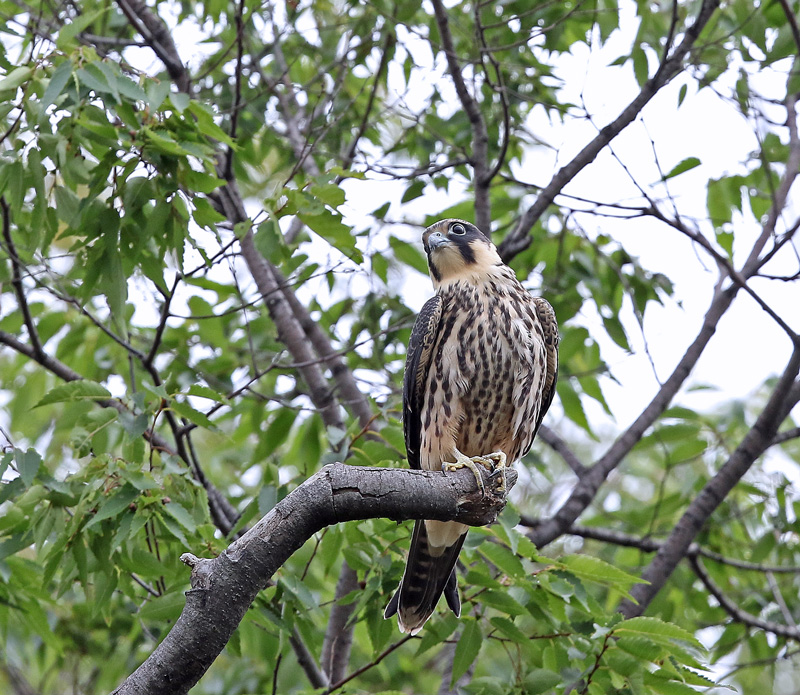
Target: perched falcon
<point>480,375</point>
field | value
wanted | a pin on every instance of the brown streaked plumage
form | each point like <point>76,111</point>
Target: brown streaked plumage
<point>480,375</point>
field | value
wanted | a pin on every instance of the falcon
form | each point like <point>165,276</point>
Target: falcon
<point>480,375</point>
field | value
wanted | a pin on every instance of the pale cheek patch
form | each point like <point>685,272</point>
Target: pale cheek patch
<point>452,267</point>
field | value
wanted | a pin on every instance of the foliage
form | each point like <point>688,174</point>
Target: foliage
<point>157,400</point>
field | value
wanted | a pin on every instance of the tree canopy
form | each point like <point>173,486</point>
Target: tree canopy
<point>210,266</point>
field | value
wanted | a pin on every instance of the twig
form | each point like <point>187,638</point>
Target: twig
<point>737,613</point>
<point>16,280</point>
<point>480,137</point>
<point>519,239</point>
<point>784,397</point>
<point>370,665</point>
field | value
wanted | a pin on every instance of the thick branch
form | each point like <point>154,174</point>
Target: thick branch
<point>223,588</point>
<point>519,239</point>
<point>590,482</point>
<point>755,442</point>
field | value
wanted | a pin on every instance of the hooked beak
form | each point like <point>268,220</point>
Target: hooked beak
<point>435,240</point>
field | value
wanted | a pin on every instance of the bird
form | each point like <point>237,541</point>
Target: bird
<point>480,374</point>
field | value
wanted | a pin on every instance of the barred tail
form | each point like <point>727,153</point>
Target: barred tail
<point>426,577</point>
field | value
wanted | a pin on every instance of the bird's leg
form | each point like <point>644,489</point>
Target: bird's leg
<point>487,462</point>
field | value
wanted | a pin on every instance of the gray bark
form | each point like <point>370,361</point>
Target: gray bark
<point>223,588</point>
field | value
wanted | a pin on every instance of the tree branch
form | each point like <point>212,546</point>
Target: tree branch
<point>588,485</point>
<point>519,238</point>
<point>16,280</point>
<point>784,397</point>
<point>480,138</point>
<point>223,588</point>
<point>739,615</point>
<point>557,444</point>
<point>158,37</point>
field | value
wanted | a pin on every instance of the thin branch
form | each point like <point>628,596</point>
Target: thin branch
<point>724,262</point>
<point>785,436</point>
<point>589,483</point>
<point>519,239</point>
<point>339,633</point>
<point>480,137</point>
<point>16,280</point>
<point>157,35</point>
<point>388,42</point>
<point>557,444</point>
<point>650,545</point>
<point>792,19</point>
<point>737,613</point>
<point>499,88</point>
<point>371,664</point>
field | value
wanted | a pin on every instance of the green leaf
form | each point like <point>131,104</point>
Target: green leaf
<point>27,465</point>
<point>657,630</point>
<point>163,609</point>
<point>682,167</point>
<point>597,570</point>
<point>114,505</point>
<point>541,680</point>
<point>58,81</point>
<point>469,644</point>
<point>185,410</point>
<point>79,390</point>
<point>69,31</point>
<point>571,402</point>
<point>409,254</point>
<point>503,559</point>
<point>15,78</point>
<point>179,513</point>
<point>413,191</point>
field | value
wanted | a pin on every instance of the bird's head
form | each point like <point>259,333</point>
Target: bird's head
<point>458,250</point>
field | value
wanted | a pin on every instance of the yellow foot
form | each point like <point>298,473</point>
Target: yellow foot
<point>491,462</point>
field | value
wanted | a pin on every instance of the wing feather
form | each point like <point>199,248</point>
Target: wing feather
<point>547,318</point>
<point>418,360</point>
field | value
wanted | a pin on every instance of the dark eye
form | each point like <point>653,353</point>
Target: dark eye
<point>458,229</point>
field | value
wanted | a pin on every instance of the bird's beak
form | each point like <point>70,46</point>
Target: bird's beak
<point>435,240</point>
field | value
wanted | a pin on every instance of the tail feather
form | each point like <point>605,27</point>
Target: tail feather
<point>425,579</point>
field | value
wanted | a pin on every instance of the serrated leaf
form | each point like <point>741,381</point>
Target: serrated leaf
<point>72,391</point>
<point>181,515</point>
<point>504,602</point>
<point>509,630</point>
<point>657,630</point>
<point>597,570</point>
<point>503,559</point>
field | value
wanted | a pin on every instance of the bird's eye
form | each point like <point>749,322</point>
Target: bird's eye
<point>458,229</point>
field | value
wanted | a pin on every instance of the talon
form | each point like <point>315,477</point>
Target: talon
<point>487,461</point>
<point>500,458</point>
